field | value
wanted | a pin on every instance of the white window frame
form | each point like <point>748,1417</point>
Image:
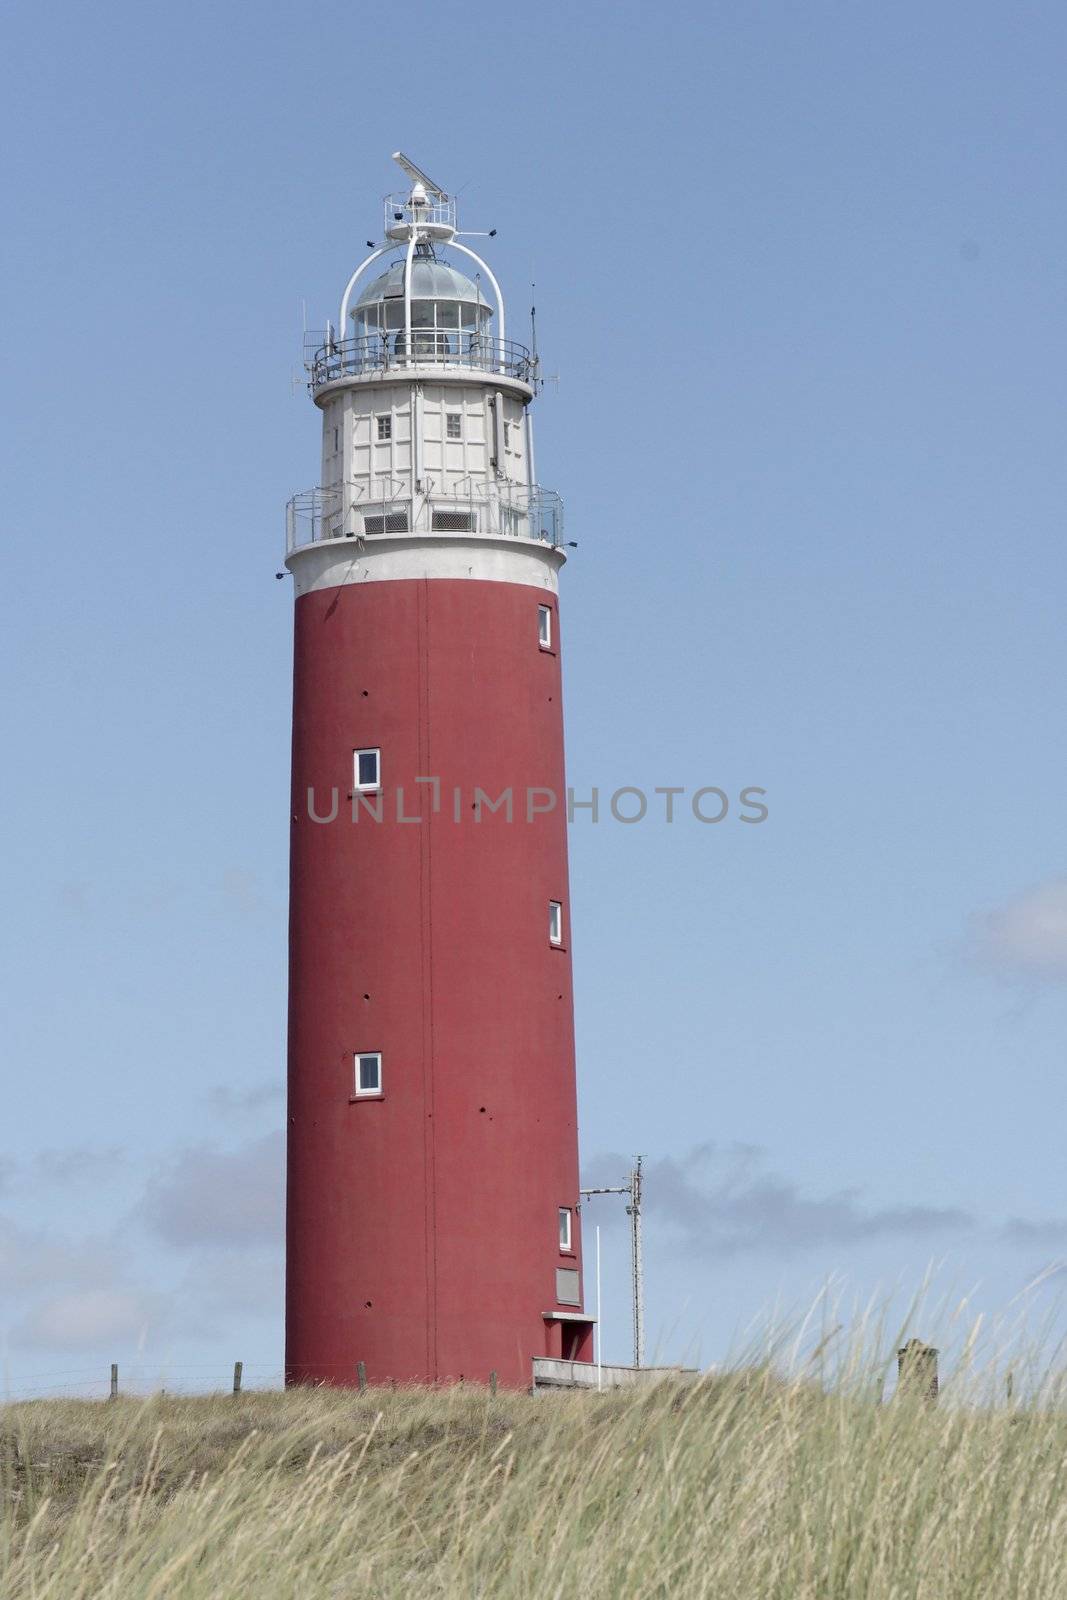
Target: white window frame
<point>566,1229</point>
<point>555,922</point>
<point>367,788</point>
<point>384,421</point>
<point>544,627</point>
<point>450,417</point>
<point>358,1059</point>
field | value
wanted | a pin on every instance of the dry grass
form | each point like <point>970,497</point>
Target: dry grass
<point>745,1487</point>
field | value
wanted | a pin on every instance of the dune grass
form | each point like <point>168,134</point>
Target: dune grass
<point>745,1486</point>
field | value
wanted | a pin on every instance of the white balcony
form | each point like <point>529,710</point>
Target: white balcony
<point>385,354</point>
<point>498,510</point>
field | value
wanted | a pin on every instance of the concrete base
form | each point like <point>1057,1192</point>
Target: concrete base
<point>549,1373</point>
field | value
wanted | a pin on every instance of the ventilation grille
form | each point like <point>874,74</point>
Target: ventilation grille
<point>391,522</point>
<point>452,522</point>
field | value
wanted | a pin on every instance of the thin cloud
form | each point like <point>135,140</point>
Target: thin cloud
<point>212,1197</point>
<point>75,897</point>
<point>242,894</point>
<point>32,1258</point>
<point>82,1318</point>
<point>241,1101</point>
<point>69,1293</point>
<point>222,1284</point>
<point>720,1203</point>
<point>1027,936</point>
<point>1044,1235</point>
<point>79,1164</point>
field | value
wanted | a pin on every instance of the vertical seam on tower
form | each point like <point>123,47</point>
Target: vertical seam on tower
<point>426,952</point>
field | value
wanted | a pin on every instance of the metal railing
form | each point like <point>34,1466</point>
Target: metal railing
<point>435,211</point>
<point>384,510</point>
<point>430,347</point>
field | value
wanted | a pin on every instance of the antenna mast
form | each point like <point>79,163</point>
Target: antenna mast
<point>637,1263</point>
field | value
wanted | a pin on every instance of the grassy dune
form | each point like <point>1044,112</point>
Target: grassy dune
<point>744,1487</point>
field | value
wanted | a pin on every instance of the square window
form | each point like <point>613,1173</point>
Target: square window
<point>565,1227</point>
<point>368,1072</point>
<point>544,627</point>
<point>454,425</point>
<point>367,769</point>
<point>385,427</point>
<point>568,1288</point>
<point>555,922</point>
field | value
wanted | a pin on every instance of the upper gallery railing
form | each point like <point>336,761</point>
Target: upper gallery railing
<point>387,351</point>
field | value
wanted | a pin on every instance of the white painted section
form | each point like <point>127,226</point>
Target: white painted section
<point>377,473</point>
<point>330,564</point>
<point>550,1373</point>
<point>426,472</point>
<point>424,373</point>
<point>408,258</point>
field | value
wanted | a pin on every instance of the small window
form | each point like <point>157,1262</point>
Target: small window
<point>565,1227</point>
<point>385,427</point>
<point>368,1072</point>
<point>336,439</point>
<point>454,424</point>
<point>507,436</point>
<point>555,922</point>
<point>367,769</point>
<point>544,627</point>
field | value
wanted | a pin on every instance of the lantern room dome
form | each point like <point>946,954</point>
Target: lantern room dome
<point>430,280</point>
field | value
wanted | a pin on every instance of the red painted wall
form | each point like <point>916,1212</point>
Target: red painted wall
<point>422,1229</point>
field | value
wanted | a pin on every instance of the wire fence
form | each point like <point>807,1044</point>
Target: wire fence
<point>139,1382</point>
<point>142,1380</point>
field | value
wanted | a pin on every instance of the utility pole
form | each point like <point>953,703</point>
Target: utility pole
<point>633,1211</point>
<point>632,1190</point>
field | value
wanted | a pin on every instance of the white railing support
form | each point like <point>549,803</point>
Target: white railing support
<point>454,244</point>
<point>342,323</point>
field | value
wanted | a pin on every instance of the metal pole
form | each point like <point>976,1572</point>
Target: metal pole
<point>637,1263</point>
<point>637,1268</point>
<point>599,1321</point>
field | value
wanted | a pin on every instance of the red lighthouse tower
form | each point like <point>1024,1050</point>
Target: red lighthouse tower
<point>432,1217</point>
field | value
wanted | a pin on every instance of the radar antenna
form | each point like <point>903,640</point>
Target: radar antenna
<point>417,175</point>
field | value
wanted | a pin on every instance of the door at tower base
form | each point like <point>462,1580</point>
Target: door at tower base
<point>433,1222</point>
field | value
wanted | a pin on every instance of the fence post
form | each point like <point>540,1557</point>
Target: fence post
<point>238,1369</point>
<point>917,1370</point>
<point>361,1376</point>
<point>492,1382</point>
<point>114,1381</point>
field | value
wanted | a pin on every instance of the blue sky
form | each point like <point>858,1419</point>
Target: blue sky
<point>801,274</point>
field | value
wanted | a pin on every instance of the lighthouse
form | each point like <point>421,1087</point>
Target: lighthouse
<point>433,1232</point>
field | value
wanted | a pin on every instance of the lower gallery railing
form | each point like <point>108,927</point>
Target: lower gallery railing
<point>502,509</point>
